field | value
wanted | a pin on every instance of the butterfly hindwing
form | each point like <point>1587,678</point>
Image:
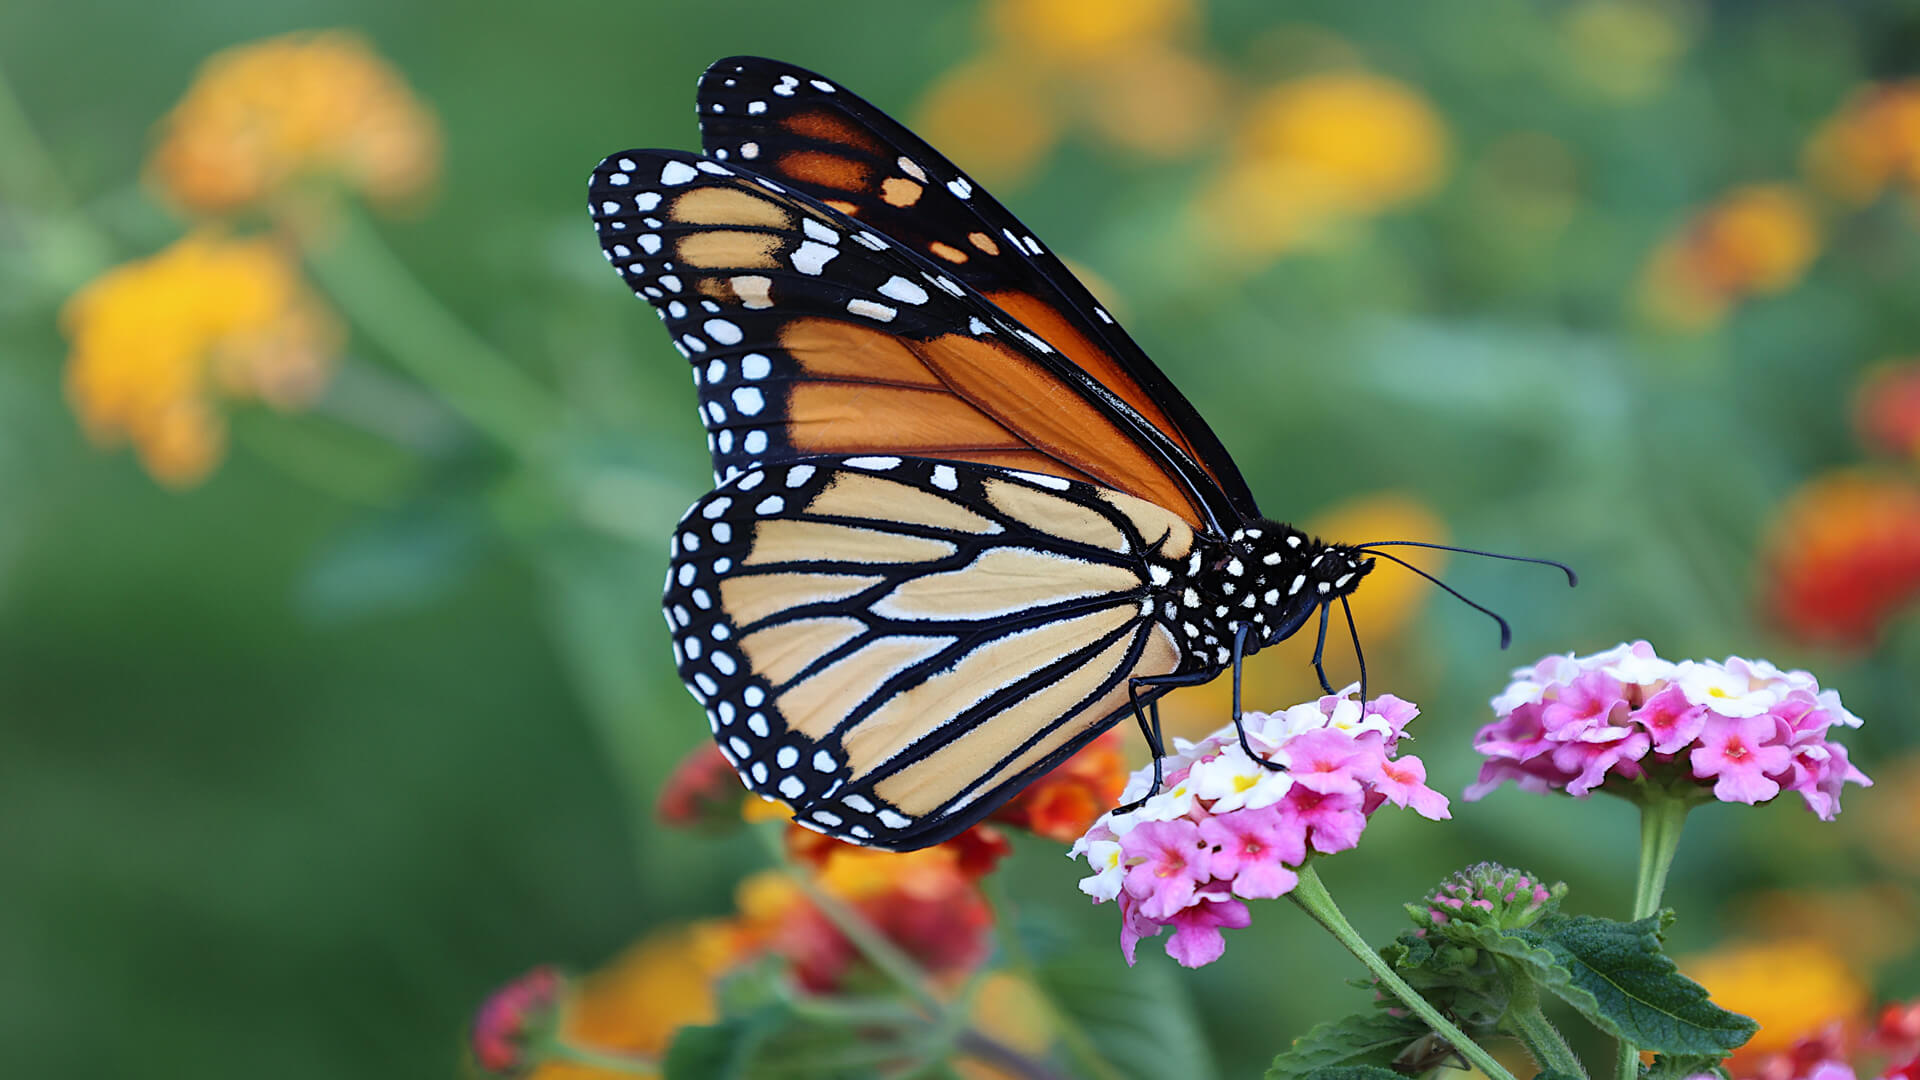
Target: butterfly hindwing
<point>812,334</point>
<point>894,646</point>
<point>815,136</point>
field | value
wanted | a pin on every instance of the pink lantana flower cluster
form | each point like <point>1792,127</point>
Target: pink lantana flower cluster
<point>1225,828</point>
<point>1740,731</point>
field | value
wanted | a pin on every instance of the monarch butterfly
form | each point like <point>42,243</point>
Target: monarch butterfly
<point>962,524</point>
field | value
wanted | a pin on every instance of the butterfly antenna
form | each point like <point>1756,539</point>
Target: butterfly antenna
<point>1506,631</point>
<point>1320,646</point>
<point>1358,656</point>
<point>1572,578</point>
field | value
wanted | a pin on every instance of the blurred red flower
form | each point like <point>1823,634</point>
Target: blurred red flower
<point>1843,555</point>
<point>1065,803</point>
<point>1886,410</point>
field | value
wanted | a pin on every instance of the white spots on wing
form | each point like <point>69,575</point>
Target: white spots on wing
<point>1298,581</point>
<point>799,475</point>
<point>692,342</point>
<point>721,170</point>
<point>722,331</point>
<point>626,165</point>
<point>947,285</point>
<point>823,761</point>
<point>1160,574</point>
<point>670,282</point>
<point>977,327</point>
<point>750,150</point>
<point>1101,314</point>
<point>739,745</point>
<point>716,371</point>
<point>945,478</point>
<point>1032,245</point>
<point>708,687</point>
<point>722,533</point>
<point>686,574</point>
<point>786,86</point>
<point>871,310</point>
<point>792,787</point>
<point>787,758</point>
<point>716,508</point>
<point>821,85</point>
<point>811,258</point>
<point>907,166</point>
<point>757,723</point>
<point>1045,481</point>
<point>676,309</point>
<point>1325,588</point>
<point>893,819</point>
<point>646,201</point>
<point>872,241</point>
<point>772,504</point>
<point>1293,541</point>
<point>610,207</point>
<point>754,290</point>
<point>753,696</point>
<point>755,442</point>
<point>748,400</point>
<point>674,173</point>
<point>867,463</point>
<point>755,366</point>
<point>755,108</point>
<point>899,288</point>
<point>960,188</point>
<point>1271,558</point>
<point>817,230</point>
<point>751,480</point>
<point>1034,340</point>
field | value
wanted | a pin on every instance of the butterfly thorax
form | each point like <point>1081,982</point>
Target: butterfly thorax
<point>1267,576</point>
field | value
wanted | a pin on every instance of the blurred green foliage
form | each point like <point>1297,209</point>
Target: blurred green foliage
<point>298,764</point>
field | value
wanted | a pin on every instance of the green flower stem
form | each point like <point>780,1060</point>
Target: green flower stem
<point>1524,1021</point>
<point>890,961</point>
<point>383,298</point>
<point>1080,1046</point>
<point>1312,897</point>
<point>1661,818</point>
<point>628,1064</point>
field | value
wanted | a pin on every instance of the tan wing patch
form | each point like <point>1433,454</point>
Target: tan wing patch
<point>729,206</point>
<point>820,702</point>
<point>749,598</point>
<point>1047,513</point>
<point>729,249</point>
<point>782,540</point>
<point>916,712</point>
<point>1152,522</point>
<point>859,496</point>
<point>1002,582</point>
<point>827,170</point>
<point>783,650</point>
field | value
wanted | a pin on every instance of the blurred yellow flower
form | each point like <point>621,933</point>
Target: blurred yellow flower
<point>1383,607</point>
<point>636,1003</point>
<point>1076,32</point>
<point>1755,240</point>
<point>1011,1012</point>
<point>1869,925</point>
<point>1319,150</point>
<point>1871,142</point>
<point>1625,51</point>
<point>1890,814</point>
<point>156,341</point>
<point>261,118</point>
<point>993,116</point>
<point>1790,987</point>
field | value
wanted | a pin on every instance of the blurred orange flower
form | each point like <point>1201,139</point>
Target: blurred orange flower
<point>636,1003</point>
<point>1283,675</point>
<point>1886,409</point>
<point>1065,803</point>
<point>1790,987</point>
<point>1843,555</point>
<point>157,341</point>
<point>1320,150</point>
<point>1755,240</point>
<point>1122,70</point>
<point>1871,142</point>
<point>260,118</point>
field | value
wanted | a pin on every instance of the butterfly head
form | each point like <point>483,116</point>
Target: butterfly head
<point>1276,577</point>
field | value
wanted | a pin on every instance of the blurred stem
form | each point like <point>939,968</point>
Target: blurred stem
<point>1079,1044</point>
<point>361,479</point>
<point>1004,1058</point>
<point>1661,817</point>
<point>890,961</point>
<point>381,295</point>
<point>1524,1021</point>
<point>628,1064</point>
<point>1312,897</point>
<point>29,172</point>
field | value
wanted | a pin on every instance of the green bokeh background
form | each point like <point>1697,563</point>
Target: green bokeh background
<point>296,766</point>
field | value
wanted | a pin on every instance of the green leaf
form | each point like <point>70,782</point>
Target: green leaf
<point>1140,1021</point>
<point>1617,976</point>
<point>1352,1072</point>
<point>1363,1039</point>
<point>773,1043</point>
<point>1681,1066</point>
<point>722,1051</point>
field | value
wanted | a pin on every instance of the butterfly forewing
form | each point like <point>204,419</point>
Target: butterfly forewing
<point>894,646</point>
<point>815,136</point>
<point>812,334</point>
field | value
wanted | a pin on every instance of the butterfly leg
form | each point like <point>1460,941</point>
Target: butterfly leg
<point>1239,646</point>
<point>1319,649</point>
<point>1150,728</point>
